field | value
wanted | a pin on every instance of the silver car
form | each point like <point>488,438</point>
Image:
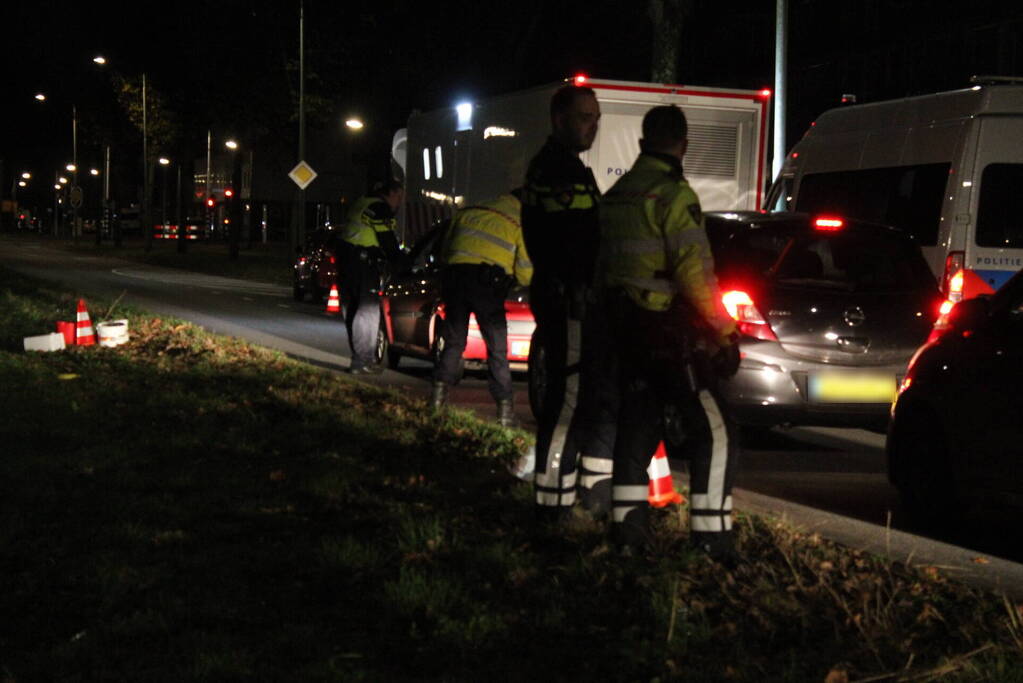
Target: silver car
<point>830,311</point>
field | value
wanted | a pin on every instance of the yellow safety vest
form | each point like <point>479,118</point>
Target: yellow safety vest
<point>653,243</point>
<point>361,226</point>
<point>490,232</point>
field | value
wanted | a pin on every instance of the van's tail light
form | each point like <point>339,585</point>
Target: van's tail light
<point>332,260</point>
<point>954,264</point>
<point>740,306</point>
<point>828,224</point>
<point>942,324</point>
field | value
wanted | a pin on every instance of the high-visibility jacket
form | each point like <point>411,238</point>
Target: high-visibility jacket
<point>370,223</point>
<point>653,243</point>
<point>490,232</point>
<point>559,214</point>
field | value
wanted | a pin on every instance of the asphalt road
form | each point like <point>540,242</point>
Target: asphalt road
<point>838,471</point>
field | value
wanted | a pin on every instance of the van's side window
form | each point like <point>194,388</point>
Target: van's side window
<point>907,197</point>
<point>998,220</point>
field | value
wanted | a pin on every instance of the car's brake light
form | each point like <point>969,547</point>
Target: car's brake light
<point>955,286</point>
<point>954,263</point>
<point>828,224</point>
<point>740,306</point>
<point>332,260</point>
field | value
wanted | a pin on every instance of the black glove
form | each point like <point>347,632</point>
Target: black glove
<point>726,361</point>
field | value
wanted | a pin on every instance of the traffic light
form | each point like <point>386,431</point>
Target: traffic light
<point>210,202</point>
<point>228,193</point>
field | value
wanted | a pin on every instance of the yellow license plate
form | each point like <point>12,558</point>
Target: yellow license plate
<point>848,387</point>
<point>520,348</point>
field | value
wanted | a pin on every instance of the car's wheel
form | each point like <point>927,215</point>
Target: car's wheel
<point>383,347</point>
<point>538,376</point>
<point>921,469</point>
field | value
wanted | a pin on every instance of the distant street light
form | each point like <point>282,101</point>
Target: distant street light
<point>164,161</point>
<point>71,167</point>
<point>354,124</point>
<point>100,59</point>
<point>94,171</point>
<point>41,97</point>
<point>26,175</point>
<point>231,144</point>
<point>22,183</point>
<point>62,180</point>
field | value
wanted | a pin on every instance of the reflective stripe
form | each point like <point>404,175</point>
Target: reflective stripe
<point>489,237</point>
<point>629,493</point>
<point>556,480</point>
<point>573,334</point>
<point>618,513</point>
<point>458,257</point>
<point>588,481</point>
<point>605,465</point>
<point>718,452</point>
<point>549,499</point>
<point>701,501</point>
<point>710,523</point>
<point>676,241</point>
<point>658,468</point>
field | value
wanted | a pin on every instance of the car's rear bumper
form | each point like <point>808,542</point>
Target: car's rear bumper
<point>773,388</point>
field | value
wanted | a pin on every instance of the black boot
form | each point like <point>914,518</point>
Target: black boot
<point>439,397</point>
<point>506,413</point>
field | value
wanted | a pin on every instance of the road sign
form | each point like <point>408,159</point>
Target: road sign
<point>302,174</point>
<point>76,197</point>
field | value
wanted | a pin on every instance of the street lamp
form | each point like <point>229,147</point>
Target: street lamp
<point>100,59</point>
<point>354,123</point>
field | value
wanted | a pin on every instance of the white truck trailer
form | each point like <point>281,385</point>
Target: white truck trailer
<point>476,150</point>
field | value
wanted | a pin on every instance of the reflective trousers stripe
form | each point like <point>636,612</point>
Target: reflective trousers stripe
<point>712,523</point>
<point>700,501</point>
<point>718,453</point>
<point>554,488</point>
<point>625,499</point>
<point>595,470</point>
<point>573,334</point>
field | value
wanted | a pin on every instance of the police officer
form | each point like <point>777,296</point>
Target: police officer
<point>483,253</point>
<point>370,250</point>
<point>561,230</point>
<point>672,337</point>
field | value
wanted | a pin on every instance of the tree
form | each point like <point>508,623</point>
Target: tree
<point>666,18</point>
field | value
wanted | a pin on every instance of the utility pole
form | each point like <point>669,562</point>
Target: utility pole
<point>147,231</point>
<point>780,70</point>
<point>300,231</point>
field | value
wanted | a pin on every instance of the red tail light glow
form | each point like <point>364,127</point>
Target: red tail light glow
<point>828,224</point>
<point>580,79</point>
<point>954,263</point>
<point>740,306</point>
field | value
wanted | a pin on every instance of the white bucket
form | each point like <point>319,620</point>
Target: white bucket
<point>112,332</point>
<point>45,342</point>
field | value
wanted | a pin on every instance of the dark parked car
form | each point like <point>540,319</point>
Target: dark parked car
<point>316,266</point>
<point>957,427</point>
<point>830,311</point>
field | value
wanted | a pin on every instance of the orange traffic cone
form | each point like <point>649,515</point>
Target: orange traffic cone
<point>662,489</point>
<point>84,335</point>
<point>333,301</point>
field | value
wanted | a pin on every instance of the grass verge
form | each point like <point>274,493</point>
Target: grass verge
<point>188,507</point>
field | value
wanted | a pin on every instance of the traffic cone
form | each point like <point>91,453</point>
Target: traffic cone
<point>84,335</point>
<point>333,301</point>
<point>662,490</point>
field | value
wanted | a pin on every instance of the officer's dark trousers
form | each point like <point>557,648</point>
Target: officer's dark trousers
<point>653,361</point>
<point>360,284</point>
<point>478,289</point>
<point>575,428</point>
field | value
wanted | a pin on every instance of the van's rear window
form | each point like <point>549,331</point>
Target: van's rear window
<point>907,197</point>
<point>999,219</point>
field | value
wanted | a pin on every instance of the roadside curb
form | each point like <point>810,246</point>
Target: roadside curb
<point>960,564</point>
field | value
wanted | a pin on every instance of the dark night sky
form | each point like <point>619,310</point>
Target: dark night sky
<point>232,64</point>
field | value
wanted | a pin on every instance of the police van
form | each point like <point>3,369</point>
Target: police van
<point>473,151</point>
<point>945,167</point>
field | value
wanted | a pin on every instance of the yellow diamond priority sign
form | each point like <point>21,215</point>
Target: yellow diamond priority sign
<point>302,174</point>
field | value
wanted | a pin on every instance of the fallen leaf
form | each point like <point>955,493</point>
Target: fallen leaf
<point>837,676</point>
<point>981,560</point>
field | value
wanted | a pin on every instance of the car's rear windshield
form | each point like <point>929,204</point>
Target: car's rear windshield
<point>850,260</point>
